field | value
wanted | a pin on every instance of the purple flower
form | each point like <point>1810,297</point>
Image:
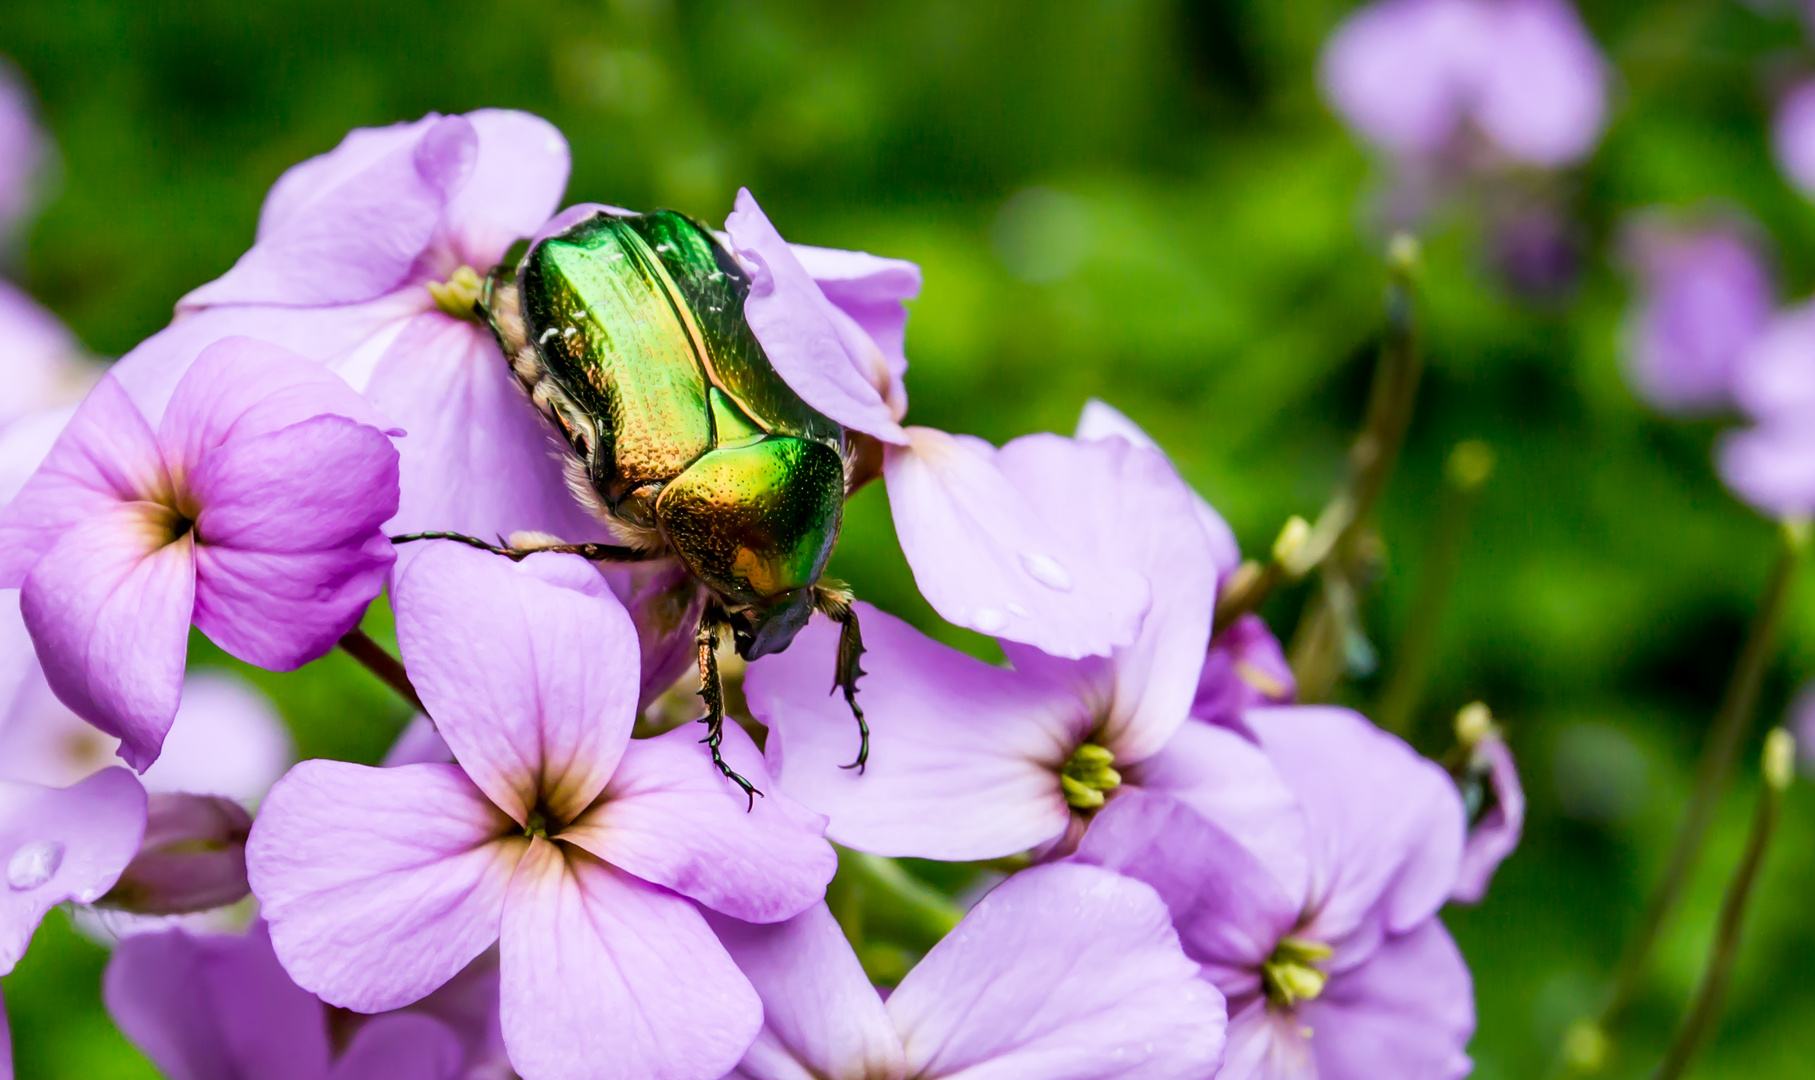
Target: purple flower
<point>830,358</point>
<point>23,149</point>
<point>219,1007</point>
<point>1060,972</point>
<point>1793,137</point>
<point>368,258</point>
<point>1772,464</point>
<point>1246,668</point>
<point>1491,785</point>
<point>1314,913</point>
<point>253,510</point>
<point>62,844</point>
<point>1705,295</point>
<point>580,852</point>
<point>43,362</point>
<point>1415,76</point>
<point>192,859</point>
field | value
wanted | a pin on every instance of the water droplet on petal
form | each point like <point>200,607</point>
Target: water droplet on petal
<point>34,864</point>
<point>1018,611</point>
<point>989,620</point>
<point>1046,570</point>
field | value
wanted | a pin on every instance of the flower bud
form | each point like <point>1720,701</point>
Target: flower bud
<point>1779,759</point>
<point>193,858</point>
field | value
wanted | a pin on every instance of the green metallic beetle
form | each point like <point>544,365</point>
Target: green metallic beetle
<point>628,332</point>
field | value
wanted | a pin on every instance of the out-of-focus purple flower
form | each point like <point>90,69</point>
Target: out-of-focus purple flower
<point>220,1007</point>
<point>44,364</point>
<point>971,761</point>
<point>253,510</point>
<point>60,844</point>
<point>1245,668</point>
<point>1704,297</point>
<point>1793,137</point>
<point>581,852</point>
<point>1415,77</point>
<point>1496,803</point>
<point>1772,464</point>
<point>1315,915</point>
<point>1060,972</point>
<point>23,148</point>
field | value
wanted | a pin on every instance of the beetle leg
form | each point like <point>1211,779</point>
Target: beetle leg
<point>834,599</point>
<point>712,692</point>
<point>594,552</point>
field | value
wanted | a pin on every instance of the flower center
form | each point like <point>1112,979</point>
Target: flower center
<point>1291,974</point>
<point>1088,776</point>
<point>458,294</point>
<point>537,826</point>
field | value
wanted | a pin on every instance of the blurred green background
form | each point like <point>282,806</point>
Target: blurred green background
<point>1194,250</point>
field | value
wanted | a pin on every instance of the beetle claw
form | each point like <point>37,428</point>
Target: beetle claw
<point>712,691</point>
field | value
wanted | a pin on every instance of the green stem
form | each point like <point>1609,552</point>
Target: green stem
<point>1466,471</point>
<point>1316,660</point>
<point>1724,737</point>
<point>373,657</point>
<point>1699,1024</point>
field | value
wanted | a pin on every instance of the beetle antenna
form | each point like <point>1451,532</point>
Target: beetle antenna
<point>610,553</point>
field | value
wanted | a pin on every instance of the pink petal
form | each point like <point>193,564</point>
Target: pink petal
<point>514,187</point>
<point>665,601</point>
<point>216,1007</point>
<point>670,817</point>
<point>379,884</point>
<point>358,230</point>
<point>871,290</point>
<point>401,1046</point>
<point>1230,782</point>
<point>964,757</point>
<point>821,1016</point>
<point>1101,420</point>
<point>1385,824</point>
<point>1409,1011</point>
<point>1793,136</point>
<point>1496,834</point>
<point>1771,466</point>
<point>228,739</point>
<point>291,551</point>
<point>605,976</point>
<point>990,555</point>
<point>529,670</point>
<point>1229,908</point>
<point>106,456</point>
<point>1267,1044</point>
<point>308,183</point>
<point>1543,98</point>
<point>818,350</point>
<point>478,459</point>
<point>348,337</point>
<point>1401,72</point>
<point>109,611</point>
<point>1144,520</point>
<point>44,364</point>
<point>240,388</point>
<point>1775,377</point>
<point>25,443</point>
<point>60,844</point>
<point>1061,971</point>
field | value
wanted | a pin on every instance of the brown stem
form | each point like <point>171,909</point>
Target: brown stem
<point>1342,527</point>
<point>373,657</point>
<point>1724,737</point>
<point>1699,1024</point>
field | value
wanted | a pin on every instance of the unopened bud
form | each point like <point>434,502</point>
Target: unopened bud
<point>193,858</point>
<point>1470,465</point>
<point>1292,537</point>
<point>1780,759</point>
<point>1474,722</point>
<point>1402,252</point>
<point>1585,1047</point>
<point>1796,533</point>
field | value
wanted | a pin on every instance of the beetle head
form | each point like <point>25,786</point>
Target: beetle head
<point>761,629</point>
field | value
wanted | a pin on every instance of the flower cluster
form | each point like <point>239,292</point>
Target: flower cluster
<point>1202,878</point>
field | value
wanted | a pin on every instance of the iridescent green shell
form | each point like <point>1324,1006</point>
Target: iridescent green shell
<point>629,332</point>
